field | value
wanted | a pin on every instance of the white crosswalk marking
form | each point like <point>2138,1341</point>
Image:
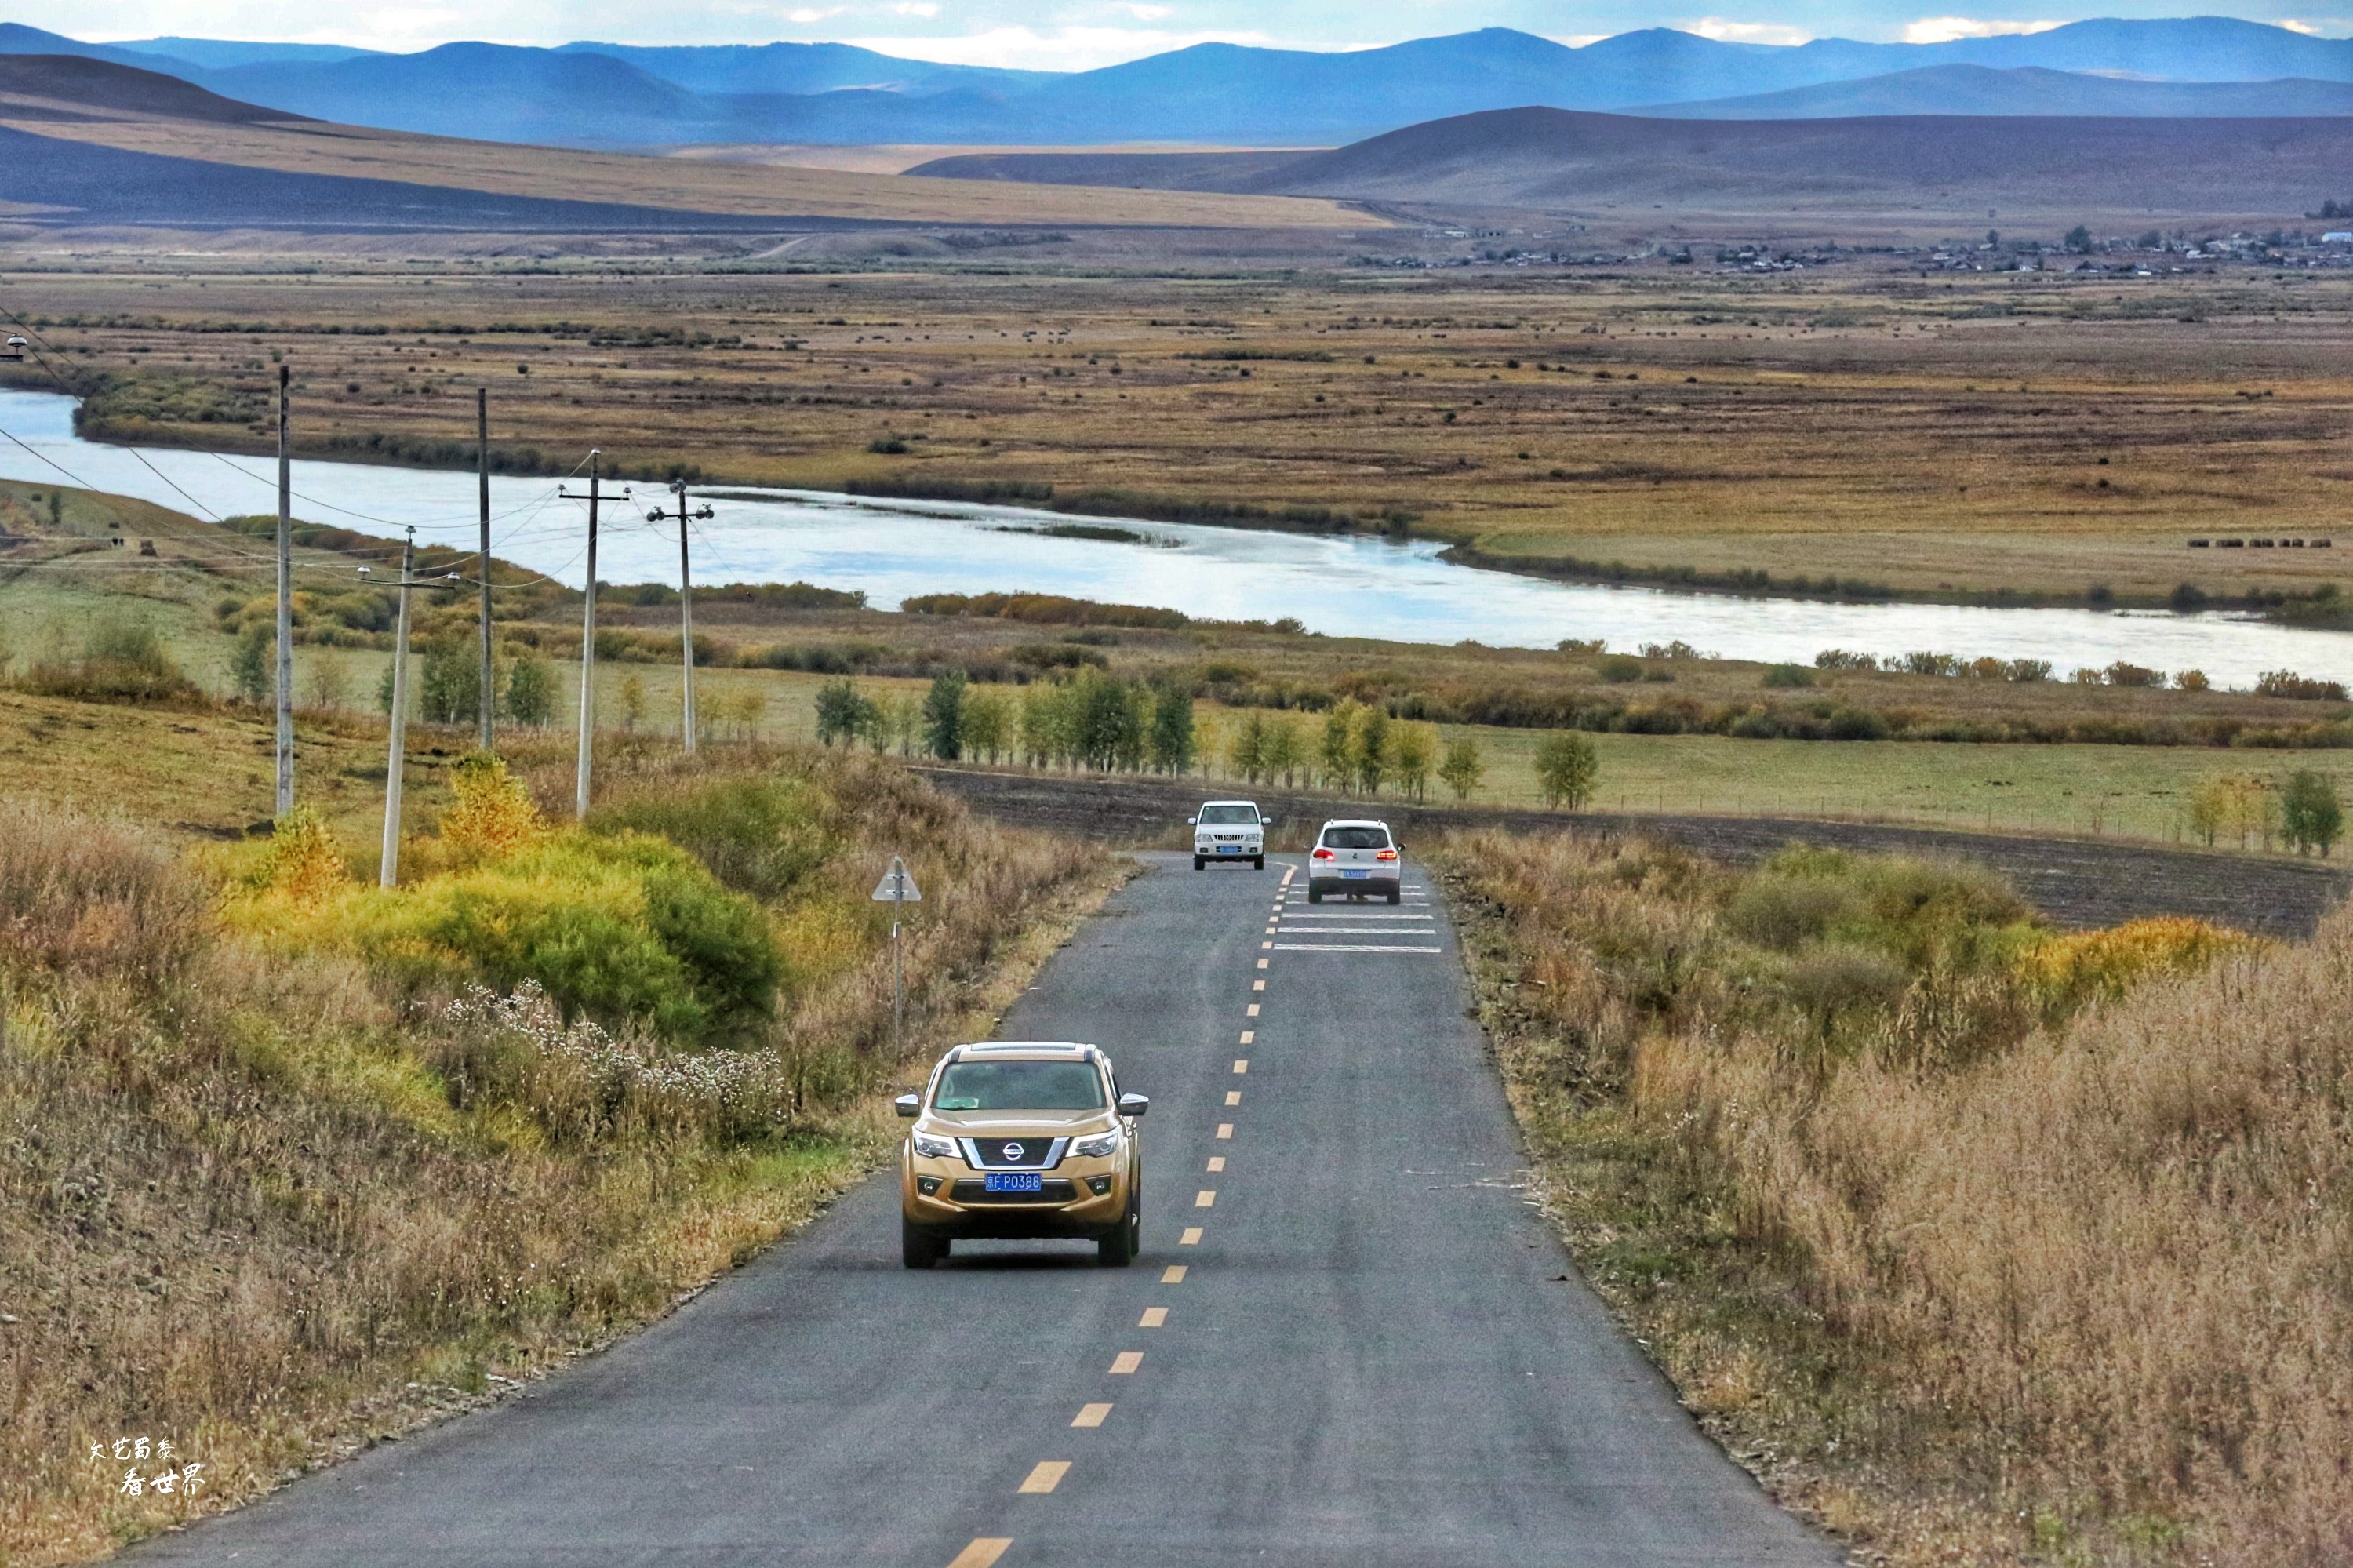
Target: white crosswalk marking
<point>1349,947</point>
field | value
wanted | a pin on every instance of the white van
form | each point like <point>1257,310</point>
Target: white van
<point>1229,829</point>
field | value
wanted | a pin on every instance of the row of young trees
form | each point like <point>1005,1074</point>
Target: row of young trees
<point>1096,722</point>
<point>2304,812</point>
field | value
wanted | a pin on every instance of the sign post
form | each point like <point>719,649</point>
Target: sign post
<point>898,889</point>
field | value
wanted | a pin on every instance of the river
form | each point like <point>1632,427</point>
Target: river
<point>1345,585</point>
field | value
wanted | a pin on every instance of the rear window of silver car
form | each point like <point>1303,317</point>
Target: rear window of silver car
<point>1020,1087</point>
<point>1356,838</point>
<point>1229,816</point>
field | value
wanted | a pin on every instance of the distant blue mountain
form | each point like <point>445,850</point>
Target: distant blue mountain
<point>217,54</point>
<point>592,94</point>
<point>2025,90</point>
<point>794,68</point>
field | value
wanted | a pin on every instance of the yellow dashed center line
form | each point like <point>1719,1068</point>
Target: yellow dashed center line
<point>1241,1064</point>
<point>1154,1318</point>
<point>1225,1129</point>
<point>1262,963</point>
<point>1249,1035</point>
<point>1266,947</point>
<point>1192,1236</point>
<point>1205,1197</point>
<point>1258,985</point>
<point>1091,1414</point>
<point>1125,1362</point>
<point>1254,1011</point>
<point>1216,1162</point>
<point>1046,1475</point>
<point>984,1551</point>
<point>1233,1097</point>
<point>1173,1274</point>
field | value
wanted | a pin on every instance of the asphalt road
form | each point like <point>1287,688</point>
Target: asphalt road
<point>1350,1340</point>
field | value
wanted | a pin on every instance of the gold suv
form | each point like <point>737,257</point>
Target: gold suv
<point>1020,1139</point>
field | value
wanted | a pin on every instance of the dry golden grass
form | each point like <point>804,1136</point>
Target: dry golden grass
<point>1971,1290</point>
<point>773,190</point>
<point>1941,438</point>
<point>243,1207</point>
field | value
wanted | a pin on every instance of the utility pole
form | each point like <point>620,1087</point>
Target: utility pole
<point>483,476</point>
<point>285,606</point>
<point>389,874</point>
<point>685,601</point>
<point>587,645</point>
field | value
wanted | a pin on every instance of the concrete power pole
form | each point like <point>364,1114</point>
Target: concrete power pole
<point>685,603</point>
<point>389,874</point>
<point>588,648</point>
<point>285,606</point>
<point>483,479</point>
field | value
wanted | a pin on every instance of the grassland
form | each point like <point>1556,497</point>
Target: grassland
<point>64,581</point>
<point>2019,437</point>
<point>1983,1246</point>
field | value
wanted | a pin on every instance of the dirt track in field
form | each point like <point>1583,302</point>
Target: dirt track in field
<point>2076,881</point>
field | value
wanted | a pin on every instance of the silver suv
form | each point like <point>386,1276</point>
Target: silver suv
<point>1355,859</point>
<point>1230,830</point>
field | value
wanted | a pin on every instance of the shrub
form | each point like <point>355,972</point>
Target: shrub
<point>491,814</point>
<point>2299,688</point>
<point>2121,673</point>
<point>249,670</point>
<point>944,716</point>
<point>1567,769</point>
<point>1462,768</point>
<point>530,690</point>
<point>86,895</point>
<point>121,660</point>
<point>1840,659</point>
<point>1781,678</point>
<point>2064,972</point>
<point>2311,817</point>
<point>1620,671</point>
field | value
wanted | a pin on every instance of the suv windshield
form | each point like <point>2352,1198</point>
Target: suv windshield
<point>1229,816</point>
<point>1019,1086</point>
<point>1356,838</point>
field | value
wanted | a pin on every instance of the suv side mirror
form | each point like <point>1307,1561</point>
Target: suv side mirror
<point>1134,1105</point>
<point>1192,822</point>
<point>909,1105</point>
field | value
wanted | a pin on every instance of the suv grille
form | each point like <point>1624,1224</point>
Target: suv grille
<point>971,1189</point>
<point>996,1153</point>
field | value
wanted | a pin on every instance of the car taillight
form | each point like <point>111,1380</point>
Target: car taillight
<point>1326,854</point>
<point>1386,854</point>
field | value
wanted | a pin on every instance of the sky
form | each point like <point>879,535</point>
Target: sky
<point>1074,35</point>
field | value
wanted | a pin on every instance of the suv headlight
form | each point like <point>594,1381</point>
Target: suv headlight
<point>932,1148</point>
<point>1096,1148</point>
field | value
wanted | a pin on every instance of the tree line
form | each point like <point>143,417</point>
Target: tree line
<point>1091,721</point>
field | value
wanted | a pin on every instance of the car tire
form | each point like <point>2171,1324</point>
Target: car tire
<point>1397,894</point>
<point>919,1248</point>
<point>1196,863</point>
<point>1117,1247</point>
<point>1257,862</point>
<point>1313,897</point>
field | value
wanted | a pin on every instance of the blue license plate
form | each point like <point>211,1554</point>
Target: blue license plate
<point>1014,1181</point>
<point>1356,874</point>
<point>1229,848</point>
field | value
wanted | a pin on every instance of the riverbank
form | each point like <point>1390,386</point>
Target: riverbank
<point>1956,438</point>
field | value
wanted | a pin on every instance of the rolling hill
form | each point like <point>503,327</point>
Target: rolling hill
<point>1563,161</point>
<point>86,140</point>
<point>612,95</point>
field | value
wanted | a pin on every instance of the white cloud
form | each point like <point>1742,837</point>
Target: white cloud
<point>1149,13</point>
<point>1058,49</point>
<point>924,8</point>
<point>1948,30</point>
<point>1728,32</point>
